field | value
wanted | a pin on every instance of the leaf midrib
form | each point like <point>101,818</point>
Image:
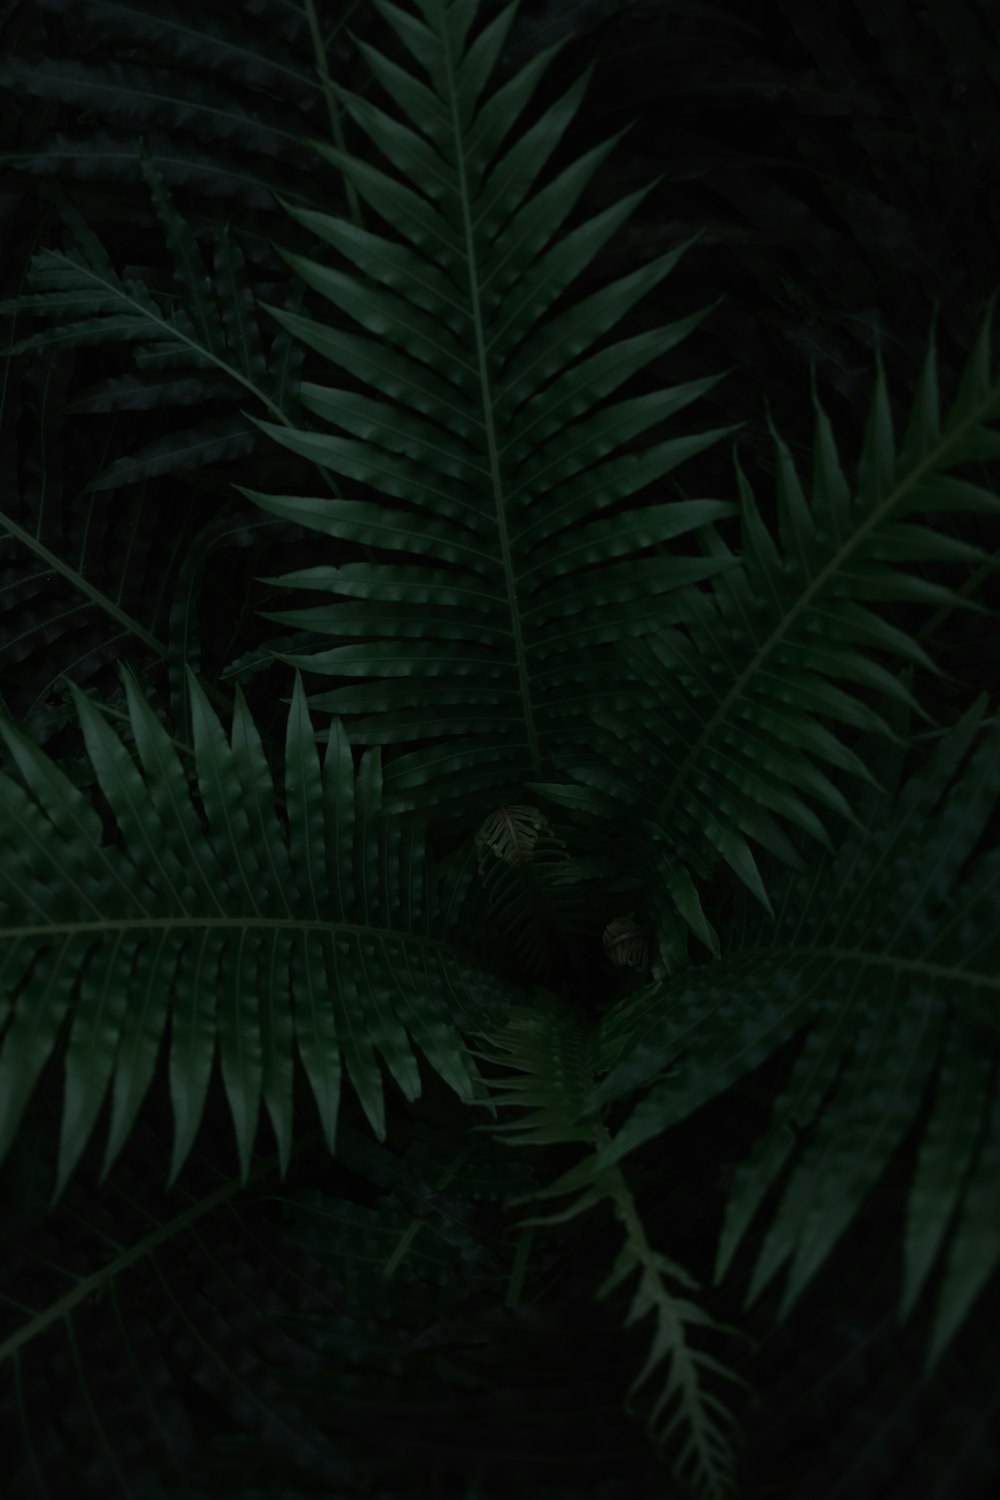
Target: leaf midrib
<point>510,580</point>
<point>170,330</point>
<point>92,1284</point>
<point>257,923</point>
<point>103,86</point>
<point>59,565</point>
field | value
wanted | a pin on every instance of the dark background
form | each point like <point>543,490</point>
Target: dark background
<point>843,165</point>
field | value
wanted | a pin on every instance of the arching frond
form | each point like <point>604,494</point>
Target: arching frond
<point>500,465</point>
<point>226,94</point>
<point>552,1058</point>
<point>326,936</point>
<point>190,351</point>
<point>884,959</point>
<point>776,658</point>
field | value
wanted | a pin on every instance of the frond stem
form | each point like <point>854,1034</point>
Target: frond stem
<point>510,580</point>
<point>89,1285</point>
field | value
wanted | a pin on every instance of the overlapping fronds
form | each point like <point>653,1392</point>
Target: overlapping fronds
<point>796,637</point>
<point>225,93</point>
<point>471,356</point>
<point>259,938</point>
<point>191,348</point>
<point>336,1295</point>
<point>69,585</point>
<point>498,464</point>
<point>551,1056</point>
<point>883,961</point>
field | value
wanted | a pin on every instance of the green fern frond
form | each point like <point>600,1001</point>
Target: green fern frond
<point>336,1291</point>
<point>488,421</point>
<point>882,959</point>
<point>737,742</point>
<point>205,345</point>
<point>225,95</point>
<point>697,1419</point>
<point>51,546</point>
<point>328,938</point>
<point>552,1057</point>
<point>155,1290</point>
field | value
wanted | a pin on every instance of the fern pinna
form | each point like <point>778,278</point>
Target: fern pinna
<point>553,715</point>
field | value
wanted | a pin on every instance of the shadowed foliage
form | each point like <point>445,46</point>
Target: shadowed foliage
<point>498,750</point>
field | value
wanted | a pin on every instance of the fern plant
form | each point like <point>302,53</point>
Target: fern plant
<point>721,695</point>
